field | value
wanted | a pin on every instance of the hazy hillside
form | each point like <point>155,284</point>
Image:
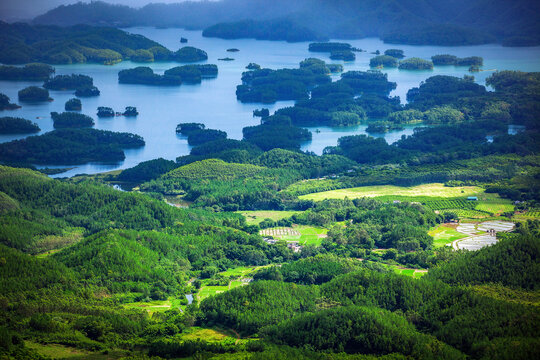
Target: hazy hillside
<point>410,21</point>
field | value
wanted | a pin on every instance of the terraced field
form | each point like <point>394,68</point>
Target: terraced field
<point>305,235</point>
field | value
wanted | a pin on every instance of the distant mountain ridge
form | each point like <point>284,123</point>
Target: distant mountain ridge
<point>436,22</point>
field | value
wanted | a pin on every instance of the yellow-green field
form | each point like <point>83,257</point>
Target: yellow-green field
<point>56,351</point>
<point>255,217</point>
<point>211,335</point>
<point>207,291</point>
<point>238,272</point>
<point>414,273</point>
<point>434,189</point>
<point>211,290</point>
<point>151,306</point>
<point>444,235</point>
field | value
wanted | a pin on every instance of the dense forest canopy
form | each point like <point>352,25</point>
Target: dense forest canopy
<point>436,22</point>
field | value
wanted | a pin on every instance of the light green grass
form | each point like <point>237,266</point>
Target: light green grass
<point>433,189</point>
<point>235,283</point>
<point>56,351</point>
<point>255,217</point>
<point>240,271</point>
<point>210,335</point>
<point>151,306</point>
<point>443,235</point>
<point>414,273</point>
<point>207,291</point>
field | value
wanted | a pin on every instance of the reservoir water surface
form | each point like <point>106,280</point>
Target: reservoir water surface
<point>213,102</point>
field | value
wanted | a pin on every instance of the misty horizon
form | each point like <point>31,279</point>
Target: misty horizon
<point>23,10</point>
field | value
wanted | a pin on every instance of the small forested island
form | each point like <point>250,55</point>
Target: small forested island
<point>130,111</point>
<point>397,53</point>
<point>70,146</point>
<point>383,126</point>
<point>68,82</point>
<point>415,63</point>
<point>447,59</point>
<point>226,59</point>
<point>269,86</point>
<point>345,55</point>
<point>190,54</point>
<point>197,134</point>
<point>104,111</point>
<point>174,76</point>
<point>146,76</point>
<point>193,73</point>
<point>5,103</point>
<point>89,91</point>
<point>71,120</point>
<point>13,125</point>
<point>329,47</point>
<point>183,40</point>
<point>383,61</point>
<point>233,50</point>
<point>34,94</point>
<point>73,104</point>
<point>28,72</point>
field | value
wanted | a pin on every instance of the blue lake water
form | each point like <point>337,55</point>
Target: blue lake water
<point>213,102</point>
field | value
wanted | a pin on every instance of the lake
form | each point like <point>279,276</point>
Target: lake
<point>213,102</point>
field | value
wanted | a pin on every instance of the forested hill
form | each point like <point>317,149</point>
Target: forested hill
<point>23,43</point>
<point>436,22</point>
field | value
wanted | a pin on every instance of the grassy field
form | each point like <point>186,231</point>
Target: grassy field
<point>207,291</point>
<point>414,273</point>
<point>151,306</point>
<point>212,335</point>
<point>434,189</point>
<point>56,351</point>
<point>238,272</point>
<point>305,235</point>
<point>255,217</point>
<point>241,271</point>
<point>444,235</point>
